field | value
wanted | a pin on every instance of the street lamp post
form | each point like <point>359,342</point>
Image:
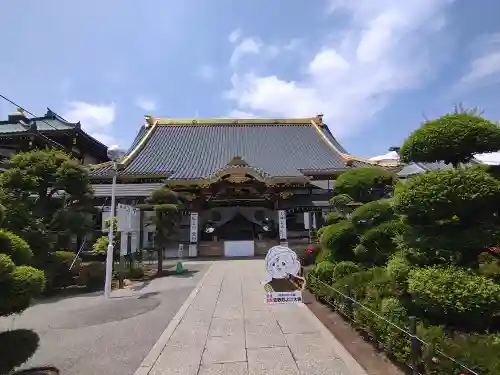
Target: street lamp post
<point>114,154</point>
<point>109,254</point>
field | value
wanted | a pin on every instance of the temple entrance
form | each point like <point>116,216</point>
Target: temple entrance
<point>237,229</point>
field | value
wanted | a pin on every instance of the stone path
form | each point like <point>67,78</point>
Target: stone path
<point>225,327</point>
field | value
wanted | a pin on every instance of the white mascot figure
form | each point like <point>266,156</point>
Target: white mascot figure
<point>284,268</point>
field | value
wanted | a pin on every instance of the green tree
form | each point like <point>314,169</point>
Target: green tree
<point>19,283</point>
<point>365,184</point>
<point>46,194</point>
<point>451,215</point>
<point>166,204</point>
<point>100,246</point>
<point>342,204</point>
<point>453,138</point>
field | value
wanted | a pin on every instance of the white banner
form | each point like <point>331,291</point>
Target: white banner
<point>193,235</point>
<point>282,224</point>
<point>306,220</point>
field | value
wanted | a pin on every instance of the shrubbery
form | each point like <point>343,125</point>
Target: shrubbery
<point>339,239</point>
<point>431,251</point>
<point>58,270</point>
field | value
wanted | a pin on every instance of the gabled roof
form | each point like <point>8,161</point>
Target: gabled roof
<point>19,124</point>
<point>198,149</point>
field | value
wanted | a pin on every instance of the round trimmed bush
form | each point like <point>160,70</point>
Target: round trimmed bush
<point>17,248</point>
<point>333,218</point>
<point>339,239</point>
<point>458,194</point>
<point>6,267</point>
<point>343,269</point>
<point>398,268</point>
<point>376,244</point>
<point>24,283</point>
<point>371,214</point>
<point>452,138</point>
<point>453,293</point>
<point>365,184</point>
<point>16,347</point>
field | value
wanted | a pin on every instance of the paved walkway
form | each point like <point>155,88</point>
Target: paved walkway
<point>225,327</point>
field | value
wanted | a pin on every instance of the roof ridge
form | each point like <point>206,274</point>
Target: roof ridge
<point>232,121</point>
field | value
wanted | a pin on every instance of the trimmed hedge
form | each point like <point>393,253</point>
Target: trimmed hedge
<point>343,269</point>
<point>22,285</point>
<point>15,247</point>
<point>364,184</point>
<point>371,214</point>
<point>454,295</point>
<point>339,239</point>
<point>333,218</point>
<point>376,244</point>
<point>452,138</point>
<point>57,269</point>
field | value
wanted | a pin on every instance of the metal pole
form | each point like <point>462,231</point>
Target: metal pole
<point>109,255</point>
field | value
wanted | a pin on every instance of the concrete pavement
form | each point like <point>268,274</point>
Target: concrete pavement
<point>88,335</point>
<point>225,327</point>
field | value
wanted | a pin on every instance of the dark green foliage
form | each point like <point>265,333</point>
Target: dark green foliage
<point>478,352</point>
<point>356,283</point>
<point>92,275</point>
<point>64,203</point>
<point>324,255</point>
<point>324,271</point>
<point>6,267</point>
<point>17,291</point>
<point>16,347</point>
<point>15,247</point>
<point>489,266</point>
<point>451,215</point>
<point>57,269</point>
<point>136,271</point>
<point>343,269</point>
<point>371,214</point>
<point>453,294</point>
<point>376,244</point>
<point>308,257</point>
<point>469,194</point>
<point>365,184</point>
<point>2,214</point>
<point>166,204</point>
<point>398,268</point>
<point>339,239</point>
<point>341,203</point>
<point>333,218</point>
<point>453,138</point>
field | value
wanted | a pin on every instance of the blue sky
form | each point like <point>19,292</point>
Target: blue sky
<point>374,68</point>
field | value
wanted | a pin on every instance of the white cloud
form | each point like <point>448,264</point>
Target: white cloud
<point>485,67</point>
<point>146,104</point>
<point>96,119</point>
<point>206,72</point>
<point>240,114</point>
<point>248,46</point>
<point>385,49</point>
<point>234,35</point>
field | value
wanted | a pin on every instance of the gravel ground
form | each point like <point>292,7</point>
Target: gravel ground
<point>89,335</point>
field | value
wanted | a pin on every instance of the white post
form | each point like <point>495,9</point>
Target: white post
<point>109,255</point>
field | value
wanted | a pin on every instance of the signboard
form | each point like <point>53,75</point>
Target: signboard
<point>285,284</point>
<point>282,224</point>
<point>181,250</point>
<point>193,236</point>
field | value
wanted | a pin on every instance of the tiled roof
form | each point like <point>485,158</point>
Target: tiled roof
<point>193,150</point>
<point>412,169</point>
<point>50,122</point>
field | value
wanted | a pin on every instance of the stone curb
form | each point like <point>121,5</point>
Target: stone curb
<point>150,360</point>
<point>352,365</point>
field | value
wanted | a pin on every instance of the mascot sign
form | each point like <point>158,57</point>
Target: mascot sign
<point>285,284</point>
